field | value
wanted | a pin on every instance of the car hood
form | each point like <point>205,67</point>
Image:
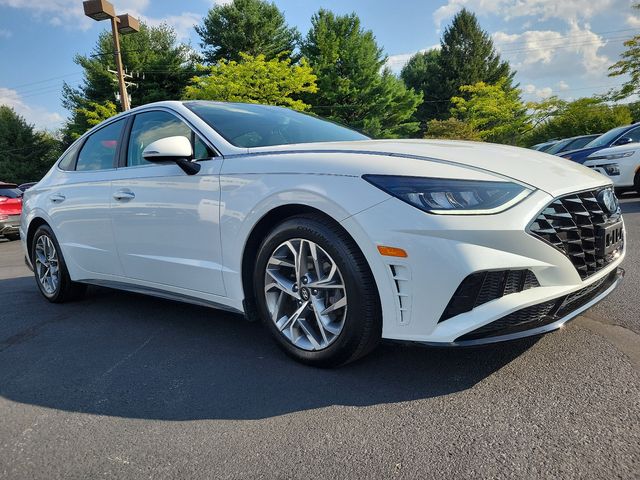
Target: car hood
<point>579,155</point>
<point>550,173</point>
<point>629,147</point>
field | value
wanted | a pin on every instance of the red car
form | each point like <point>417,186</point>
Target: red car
<point>10,210</point>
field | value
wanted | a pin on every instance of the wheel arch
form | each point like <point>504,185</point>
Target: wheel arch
<point>34,224</point>
<point>267,223</point>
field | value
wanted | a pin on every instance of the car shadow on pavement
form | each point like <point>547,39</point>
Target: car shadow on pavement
<point>133,356</point>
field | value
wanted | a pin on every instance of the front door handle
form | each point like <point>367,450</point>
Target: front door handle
<point>57,198</point>
<point>124,195</point>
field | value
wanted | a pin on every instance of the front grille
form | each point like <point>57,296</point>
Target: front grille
<point>482,287</point>
<point>541,314</point>
<point>570,224</point>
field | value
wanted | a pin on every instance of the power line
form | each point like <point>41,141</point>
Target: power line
<point>558,46</point>
<point>46,80</point>
<point>584,34</point>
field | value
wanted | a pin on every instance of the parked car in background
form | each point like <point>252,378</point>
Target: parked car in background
<point>10,210</point>
<point>620,164</point>
<point>334,240</point>
<point>572,143</point>
<point>614,137</point>
<point>26,186</point>
<point>543,147</point>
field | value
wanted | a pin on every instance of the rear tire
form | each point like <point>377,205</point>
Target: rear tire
<point>324,311</point>
<point>50,269</point>
<point>636,182</point>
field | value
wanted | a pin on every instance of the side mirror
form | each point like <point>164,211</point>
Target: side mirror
<point>172,149</point>
<point>624,140</point>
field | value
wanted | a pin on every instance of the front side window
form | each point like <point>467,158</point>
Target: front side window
<point>151,126</point>
<point>633,134</point>
<point>100,149</point>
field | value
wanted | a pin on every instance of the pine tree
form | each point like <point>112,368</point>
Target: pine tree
<point>467,56</point>
<point>254,27</point>
<point>353,86</point>
<point>423,75</point>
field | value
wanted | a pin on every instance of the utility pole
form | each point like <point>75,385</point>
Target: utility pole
<point>102,10</point>
<point>124,97</point>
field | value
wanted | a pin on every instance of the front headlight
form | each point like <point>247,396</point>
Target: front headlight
<point>451,196</point>
<point>613,156</point>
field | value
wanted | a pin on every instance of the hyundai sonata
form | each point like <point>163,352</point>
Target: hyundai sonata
<point>333,240</point>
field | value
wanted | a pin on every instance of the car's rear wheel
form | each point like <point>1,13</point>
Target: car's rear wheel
<point>636,182</point>
<point>50,268</point>
<point>315,292</point>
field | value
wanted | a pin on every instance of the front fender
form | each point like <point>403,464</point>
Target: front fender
<point>247,198</point>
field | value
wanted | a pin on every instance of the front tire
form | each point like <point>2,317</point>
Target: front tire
<point>50,269</point>
<point>316,294</point>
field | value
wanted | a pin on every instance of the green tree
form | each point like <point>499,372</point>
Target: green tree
<point>246,26</point>
<point>25,154</point>
<point>86,117</point>
<point>353,87</point>
<point>467,56</point>
<point>580,117</point>
<point>495,112</point>
<point>629,64</point>
<point>422,73</point>
<point>255,80</point>
<point>452,129</point>
<point>163,67</point>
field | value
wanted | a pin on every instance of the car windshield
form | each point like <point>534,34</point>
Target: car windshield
<point>249,125</point>
<point>606,138</point>
<point>556,147</point>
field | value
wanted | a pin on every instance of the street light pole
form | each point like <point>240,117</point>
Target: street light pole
<point>124,96</point>
<point>103,10</point>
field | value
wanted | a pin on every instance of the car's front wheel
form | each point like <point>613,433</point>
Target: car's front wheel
<point>315,292</point>
<point>50,268</point>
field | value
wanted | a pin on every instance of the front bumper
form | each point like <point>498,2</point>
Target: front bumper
<point>627,169</point>
<point>10,226</point>
<point>443,250</point>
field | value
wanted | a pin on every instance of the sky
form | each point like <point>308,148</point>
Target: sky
<point>558,47</point>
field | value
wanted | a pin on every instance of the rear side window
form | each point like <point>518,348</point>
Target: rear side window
<point>10,192</point>
<point>100,149</point>
<point>68,160</point>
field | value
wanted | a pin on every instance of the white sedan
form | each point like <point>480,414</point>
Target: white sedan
<point>333,240</point>
<point>620,164</point>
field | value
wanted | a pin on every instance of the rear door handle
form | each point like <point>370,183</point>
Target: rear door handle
<point>124,195</point>
<point>57,198</point>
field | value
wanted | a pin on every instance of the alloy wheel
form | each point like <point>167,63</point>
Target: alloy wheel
<point>305,294</point>
<point>47,265</point>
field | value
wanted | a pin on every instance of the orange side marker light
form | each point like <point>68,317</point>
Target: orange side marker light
<point>392,251</point>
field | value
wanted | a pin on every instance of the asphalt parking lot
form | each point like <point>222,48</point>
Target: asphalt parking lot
<point>125,386</point>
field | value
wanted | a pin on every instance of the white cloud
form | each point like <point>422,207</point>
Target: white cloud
<point>39,116</point>
<point>633,21</point>
<point>183,24</point>
<point>540,53</point>
<point>5,33</point>
<point>541,9</point>
<point>70,13</point>
<point>562,85</point>
<point>538,93</point>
